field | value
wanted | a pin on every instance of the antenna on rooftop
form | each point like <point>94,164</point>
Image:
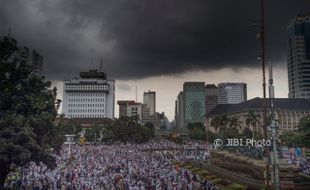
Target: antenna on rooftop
<point>100,68</point>
<point>91,56</point>
<point>136,93</point>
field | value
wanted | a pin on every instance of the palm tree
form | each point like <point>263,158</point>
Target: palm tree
<point>224,120</point>
<point>215,123</point>
<point>252,119</point>
<point>234,122</point>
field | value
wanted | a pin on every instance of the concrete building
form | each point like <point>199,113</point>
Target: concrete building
<point>288,112</point>
<point>179,115</point>
<point>298,57</point>
<point>145,113</point>
<point>212,97</point>
<point>130,108</point>
<point>194,102</point>
<point>232,93</point>
<point>90,96</point>
<point>149,98</point>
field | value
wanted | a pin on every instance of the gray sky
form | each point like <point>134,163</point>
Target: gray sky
<point>160,43</point>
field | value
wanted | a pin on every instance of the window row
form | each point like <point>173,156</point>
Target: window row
<point>75,94</point>
<point>86,99</point>
<point>87,87</point>
<point>85,105</point>
<point>85,116</point>
<point>86,110</point>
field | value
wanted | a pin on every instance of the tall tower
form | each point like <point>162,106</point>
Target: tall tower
<point>298,57</point>
<point>212,96</point>
<point>194,102</point>
<point>149,98</point>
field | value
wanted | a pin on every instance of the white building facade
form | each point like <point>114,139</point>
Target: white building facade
<point>90,96</point>
<point>149,98</point>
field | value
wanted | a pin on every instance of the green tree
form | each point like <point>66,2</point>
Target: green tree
<point>223,122</point>
<point>28,108</point>
<point>288,138</point>
<point>215,123</point>
<point>247,133</point>
<point>235,122</point>
<point>198,134</point>
<point>252,119</point>
<point>304,132</point>
<point>195,125</point>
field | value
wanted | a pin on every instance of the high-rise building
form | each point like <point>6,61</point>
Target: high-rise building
<point>129,108</point>
<point>32,57</point>
<point>194,102</point>
<point>149,98</point>
<point>91,96</point>
<point>298,57</point>
<point>232,93</point>
<point>212,97</point>
<point>179,111</point>
<point>145,113</point>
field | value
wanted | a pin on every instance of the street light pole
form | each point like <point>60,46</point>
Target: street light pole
<point>262,38</point>
<point>275,162</point>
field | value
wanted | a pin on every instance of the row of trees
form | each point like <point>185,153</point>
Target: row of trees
<point>300,137</point>
<point>124,129</point>
<point>228,126</point>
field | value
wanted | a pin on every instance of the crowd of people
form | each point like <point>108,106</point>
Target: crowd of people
<point>146,166</point>
<point>297,156</point>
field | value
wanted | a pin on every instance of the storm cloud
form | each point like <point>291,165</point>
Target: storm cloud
<point>144,38</point>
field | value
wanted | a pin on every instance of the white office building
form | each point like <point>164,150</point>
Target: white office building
<point>90,96</point>
<point>149,98</point>
<point>232,93</point>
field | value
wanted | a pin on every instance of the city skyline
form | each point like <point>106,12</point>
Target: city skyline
<point>155,43</point>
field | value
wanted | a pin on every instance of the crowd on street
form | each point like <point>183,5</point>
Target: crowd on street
<point>148,166</point>
<point>297,156</point>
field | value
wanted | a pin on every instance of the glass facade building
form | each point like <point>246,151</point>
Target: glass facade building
<point>298,57</point>
<point>194,102</point>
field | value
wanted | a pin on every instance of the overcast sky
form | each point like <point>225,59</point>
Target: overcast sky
<point>154,44</point>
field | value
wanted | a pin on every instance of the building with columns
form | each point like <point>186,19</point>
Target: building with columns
<point>288,112</point>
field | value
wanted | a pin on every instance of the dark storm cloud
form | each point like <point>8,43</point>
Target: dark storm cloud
<point>140,38</point>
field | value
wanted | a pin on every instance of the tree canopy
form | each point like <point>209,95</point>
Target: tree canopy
<point>28,108</point>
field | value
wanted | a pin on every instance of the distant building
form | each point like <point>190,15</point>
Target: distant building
<point>194,102</point>
<point>179,111</point>
<point>288,112</point>
<point>298,57</point>
<point>129,108</point>
<point>232,93</point>
<point>149,98</point>
<point>32,57</point>
<point>212,97</point>
<point>91,96</point>
<point>145,113</point>
<point>159,120</point>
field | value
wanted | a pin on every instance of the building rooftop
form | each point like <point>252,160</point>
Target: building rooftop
<point>93,74</point>
<point>211,86</point>
<point>258,103</point>
<point>128,102</point>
